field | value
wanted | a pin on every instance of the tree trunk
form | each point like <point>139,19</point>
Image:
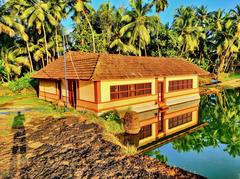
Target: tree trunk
<point>56,41</point>
<point>45,41</point>
<point>221,66</point>
<point>43,65</point>
<point>182,51</point>
<point>200,57</point>
<point>145,50</point>
<point>139,48</point>
<point>29,57</point>
<point>159,53</point>
<point>90,25</point>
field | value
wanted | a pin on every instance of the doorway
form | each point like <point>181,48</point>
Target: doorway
<point>59,85</point>
<point>72,93</point>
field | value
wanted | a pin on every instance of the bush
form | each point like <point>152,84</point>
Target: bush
<point>18,121</point>
<point>26,82</point>
<point>112,116</point>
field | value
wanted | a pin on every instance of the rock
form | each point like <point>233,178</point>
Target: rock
<point>131,123</point>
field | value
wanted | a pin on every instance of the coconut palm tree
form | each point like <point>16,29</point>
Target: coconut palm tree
<point>118,42</point>
<point>226,38</point>
<point>17,26</point>
<point>106,17</point>
<point>204,20</point>
<point>83,8</point>
<point>11,58</point>
<point>160,5</point>
<point>58,11</point>
<point>235,14</point>
<point>37,14</point>
<point>185,23</point>
<point>137,25</point>
<point>5,25</point>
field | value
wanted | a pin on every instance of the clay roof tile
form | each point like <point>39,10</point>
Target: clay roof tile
<point>93,66</point>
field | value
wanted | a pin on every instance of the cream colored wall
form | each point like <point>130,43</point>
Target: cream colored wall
<point>183,77</point>
<point>48,86</point>
<point>137,104</point>
<point>63,88</point>
<point>160,79</point>
<point>181,96</point>
<point>105,86</point>
<point>87,91</point>
<point>182,99</point>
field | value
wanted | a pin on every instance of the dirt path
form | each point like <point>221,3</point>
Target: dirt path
<point>72,148</point>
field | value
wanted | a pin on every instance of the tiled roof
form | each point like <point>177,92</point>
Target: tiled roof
<point>90,66</point>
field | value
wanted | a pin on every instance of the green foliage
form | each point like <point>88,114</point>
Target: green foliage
<point>112,116</point>
<point>26,82</point>
<point>156,154</point>
<point>129,150</point>
<point>113,123</point>
<point>33,33</point>
<point>227,76</point>
<point>221,111</point>
<point>18,121</point>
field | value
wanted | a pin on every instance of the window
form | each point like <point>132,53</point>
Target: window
<point>146,131</point>
<point>180,85</point>
<point>124,91</point>
<point>179,120</point>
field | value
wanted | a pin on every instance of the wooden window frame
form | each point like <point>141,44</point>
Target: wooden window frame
<point>145,132</point>
<point>179,85</point>
<point>118,92</point>
<point>179,120</point>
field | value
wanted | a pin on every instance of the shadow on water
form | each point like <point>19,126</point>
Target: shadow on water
<point>19,148</point>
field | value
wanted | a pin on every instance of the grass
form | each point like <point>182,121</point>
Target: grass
<point>109,126</point>
<point>126,150</point>
<point>233,76</point>
<point>41,109</point>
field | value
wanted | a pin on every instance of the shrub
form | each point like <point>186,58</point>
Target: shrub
<point>112,116</point>
<point>26,82</point>
<point>18,121</point>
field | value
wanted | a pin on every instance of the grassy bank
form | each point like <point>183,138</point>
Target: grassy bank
<point>35,109</point>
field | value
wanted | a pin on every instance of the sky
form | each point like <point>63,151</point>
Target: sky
<point>167,15</point>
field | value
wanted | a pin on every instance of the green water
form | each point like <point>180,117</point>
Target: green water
<point>213,151</point>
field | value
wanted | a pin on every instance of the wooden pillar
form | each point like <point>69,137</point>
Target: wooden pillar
<point>97,91</point>
<point>156,86</point>
<point>164,122</point>
<point>164,89</point>
<point>78,89</point>
<point>156,124</point>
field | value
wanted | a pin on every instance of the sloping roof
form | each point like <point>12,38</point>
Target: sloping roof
<point>90,66</point>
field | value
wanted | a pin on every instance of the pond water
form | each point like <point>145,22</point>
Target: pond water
<point>214,150</point>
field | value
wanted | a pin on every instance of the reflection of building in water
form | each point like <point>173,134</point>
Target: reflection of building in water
<point>157,124</point>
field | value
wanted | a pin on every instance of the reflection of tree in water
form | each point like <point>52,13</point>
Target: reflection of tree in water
<point>222,112</point>
<point>19,148</point>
